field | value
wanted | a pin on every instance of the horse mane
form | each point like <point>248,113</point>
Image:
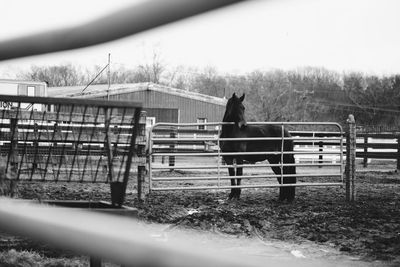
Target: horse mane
<point>225,129</point>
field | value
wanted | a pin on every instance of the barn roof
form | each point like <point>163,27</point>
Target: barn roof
<point>21,81</point>
<point>100,90</point>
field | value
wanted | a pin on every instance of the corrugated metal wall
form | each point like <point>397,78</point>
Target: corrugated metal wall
<point>163,114</point>
<point>166,106</point>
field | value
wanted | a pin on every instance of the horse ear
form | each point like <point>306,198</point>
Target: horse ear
<point>241,98</point>
<point>234,95</point>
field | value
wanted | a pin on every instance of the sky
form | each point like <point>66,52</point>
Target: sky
<point>340,35</point>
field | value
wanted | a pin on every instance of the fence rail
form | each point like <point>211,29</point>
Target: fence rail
<point>369,145</point>
<point>375,145</point>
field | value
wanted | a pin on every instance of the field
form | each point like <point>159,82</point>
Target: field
<point>319,224</point>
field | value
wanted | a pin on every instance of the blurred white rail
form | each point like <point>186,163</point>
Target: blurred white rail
<point>125,240</point>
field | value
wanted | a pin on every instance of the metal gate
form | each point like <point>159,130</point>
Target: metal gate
<point>188,156</point>
<point>64,139</point>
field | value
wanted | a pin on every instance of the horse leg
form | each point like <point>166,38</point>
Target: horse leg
<point>285,193</point>
<point>282,190</point>
<point>239,172</point>
<point>291,191</point>
<point>231,171</point>
<point>233,183</point>
<point>277,171</point>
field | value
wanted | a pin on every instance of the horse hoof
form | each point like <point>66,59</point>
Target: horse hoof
<point>233,197</point>
<point>237,193</point>
<point>286,200</point>
<point>290,200</point>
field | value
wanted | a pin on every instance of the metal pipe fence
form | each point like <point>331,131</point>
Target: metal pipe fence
<point>64,139</point>
<point>69,140</point>
<point>197,162</point>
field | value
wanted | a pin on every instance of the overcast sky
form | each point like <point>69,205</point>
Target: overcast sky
<point>342,35</point>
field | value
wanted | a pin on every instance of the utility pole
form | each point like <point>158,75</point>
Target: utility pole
<point>109,76</point>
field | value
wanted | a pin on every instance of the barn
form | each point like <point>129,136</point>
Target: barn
<point>162,103</point>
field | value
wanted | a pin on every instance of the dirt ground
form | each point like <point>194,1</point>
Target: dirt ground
<point>368,229</point>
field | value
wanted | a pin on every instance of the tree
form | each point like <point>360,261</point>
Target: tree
<point>152,72</point>
<point>63,75</point>
<point>209,82</point>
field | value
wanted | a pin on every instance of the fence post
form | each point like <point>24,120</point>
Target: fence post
<point>351,159</point>
<point>94,262</point>
<point>36,147</point>
<point>107,145</point>
<point>320,157</point>
<point>365,160</point>
<point>141,192</point>
<point>141,141</point>
<point>13,155</point>
<point>398,152</point>
<point>171,159</point>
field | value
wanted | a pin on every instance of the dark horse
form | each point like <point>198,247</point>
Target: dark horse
<point>235,113</point>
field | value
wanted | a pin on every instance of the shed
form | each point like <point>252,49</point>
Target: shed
<point>22,87</point>
<point>162,103</point>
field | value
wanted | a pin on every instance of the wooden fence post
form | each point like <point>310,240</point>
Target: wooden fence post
<point>365,159</point>
<point>95,262</point>
<point>171,159</point>
<point>13,155</point>
<point>141,141</point>
<point>36,148</point>
<point>351,159</point>
<point>320,157</point>
<point>141,183</point>
<point>398,152</point>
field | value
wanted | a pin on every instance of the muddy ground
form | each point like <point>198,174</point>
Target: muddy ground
<point>368,229</point>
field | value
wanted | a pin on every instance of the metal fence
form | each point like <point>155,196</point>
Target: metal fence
<point>69,140</point>
<point>193,151</point>
<point>64,139</point>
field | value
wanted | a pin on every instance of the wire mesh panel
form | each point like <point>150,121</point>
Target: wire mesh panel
<point>189,156</point>
<point>65,139</point>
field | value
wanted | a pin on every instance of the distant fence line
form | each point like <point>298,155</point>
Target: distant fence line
<point>369,148</point>
<point>378,129</point>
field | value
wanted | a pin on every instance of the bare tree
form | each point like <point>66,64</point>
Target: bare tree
<point>209,82</point>
<point>152,71</point>
<point>62,75</point>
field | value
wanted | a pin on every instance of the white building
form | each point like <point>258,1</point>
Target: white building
<point>19,87</point>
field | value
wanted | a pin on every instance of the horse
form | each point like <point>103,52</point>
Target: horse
<point>234,113</point>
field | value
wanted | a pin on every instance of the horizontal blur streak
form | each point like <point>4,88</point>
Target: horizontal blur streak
<point>129,21</point>
<point>120,239</point>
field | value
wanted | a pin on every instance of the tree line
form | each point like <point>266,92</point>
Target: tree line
<point>304,94</point>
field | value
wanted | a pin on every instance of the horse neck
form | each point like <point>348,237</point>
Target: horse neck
<point>227,130</point>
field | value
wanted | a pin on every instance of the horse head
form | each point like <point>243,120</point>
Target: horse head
<point>234,111</point>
